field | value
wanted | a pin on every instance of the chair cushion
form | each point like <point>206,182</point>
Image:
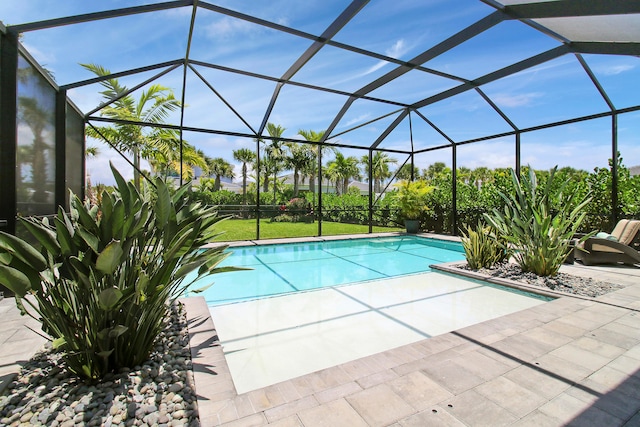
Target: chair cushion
<point>603,235</point>
<point>619,228</point>
<point>602,248</point>
<point>629,232</point>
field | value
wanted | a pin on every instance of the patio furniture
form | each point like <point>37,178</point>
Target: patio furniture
<point>621,246</point>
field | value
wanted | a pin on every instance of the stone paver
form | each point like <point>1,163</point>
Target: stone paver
<point>578,412</point>
<point>18,341</point>
<point>380,406</point>
<point>516,399</point>
<point>436,416</point>
<point>453,377</point>
<point>570,361</point>
<point>418,390</point>
<point>475,410</point>
<point>538,381</point>
<point>333,414</point>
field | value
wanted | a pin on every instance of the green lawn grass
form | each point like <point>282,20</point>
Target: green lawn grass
<point>245,229</point>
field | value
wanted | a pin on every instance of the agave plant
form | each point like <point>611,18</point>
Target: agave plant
<point>539,223</point>
<point>104,275</point>
<point>483,248</point>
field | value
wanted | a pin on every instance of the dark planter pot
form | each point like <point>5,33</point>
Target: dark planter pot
<point>412,225</point>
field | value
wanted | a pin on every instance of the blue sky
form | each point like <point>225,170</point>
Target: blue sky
<point>553,91</point>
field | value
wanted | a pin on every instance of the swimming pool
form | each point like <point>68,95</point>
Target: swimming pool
<point>293,267</point>
<point>309,306</point>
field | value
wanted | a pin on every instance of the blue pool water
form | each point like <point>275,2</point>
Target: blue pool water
<point>292,267</point>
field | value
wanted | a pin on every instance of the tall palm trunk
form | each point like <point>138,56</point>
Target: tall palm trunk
<point>136,167</point>
<point>296,177</point>
<point>244,184</point>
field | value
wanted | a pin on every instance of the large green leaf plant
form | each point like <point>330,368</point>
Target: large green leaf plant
<point>104,274</point>
<point>539,222</point>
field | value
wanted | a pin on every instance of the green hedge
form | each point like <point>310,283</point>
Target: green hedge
<point>473,200</point>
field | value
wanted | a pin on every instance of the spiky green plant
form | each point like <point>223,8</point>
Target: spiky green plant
<point>482,247</point>
<point>539,223</point>
<point>105,274</point>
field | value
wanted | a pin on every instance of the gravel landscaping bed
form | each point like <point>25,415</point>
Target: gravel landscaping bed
<point>158,393</point>
<point>561,282</point>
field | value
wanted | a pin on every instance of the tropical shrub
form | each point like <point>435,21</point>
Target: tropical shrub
<point>296,210</point>
<point>298,205</point>
<point>347,208</point>
<point>411,198</point>
<point>104,275</point>
<point>482,248</point>
<point>221,197</point>
<point>539,234</point>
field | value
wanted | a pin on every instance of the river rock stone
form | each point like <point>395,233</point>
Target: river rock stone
<point>46,393</point>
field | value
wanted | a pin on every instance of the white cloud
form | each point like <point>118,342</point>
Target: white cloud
<point>519,100</point>
<point>616,69</point>
<point>228,27</point>
<point>100,173</point>
<point>360,119</point>
<point>398,49</point>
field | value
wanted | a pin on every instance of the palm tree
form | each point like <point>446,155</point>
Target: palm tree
<point>262,172</point>
<point>219,168</point>
<point>153,106</point>
<point>379,167</point>
<point>464,174</point>
<point>481,175</point>
<point>316,150</point>
<point>274,153</point>
<point>404,174</point>
<point>165,158</point>
<point>342,169</point>
<point>332,174</point>
<point>244,155</point>
<point>38,119</point>
<point>89,152</point>
<point>300,158</point>
<point>434,170</point>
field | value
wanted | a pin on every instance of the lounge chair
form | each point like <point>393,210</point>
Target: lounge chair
<point>621,246</point>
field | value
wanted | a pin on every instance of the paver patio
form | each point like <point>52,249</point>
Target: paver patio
<point>570,361</point>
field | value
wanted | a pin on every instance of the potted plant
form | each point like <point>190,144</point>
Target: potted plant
<point>411,201</point>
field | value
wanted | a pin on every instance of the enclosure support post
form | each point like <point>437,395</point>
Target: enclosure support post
<point>454,190</point>
<point>518,165</point>
<point>412,147</point>
<point>412,168</point>
<point>319,191</point>
<point>257,189</point>
<point>61,198</point>
<point>8,128</point>
<point>370,172</point>
<point>614,168</point>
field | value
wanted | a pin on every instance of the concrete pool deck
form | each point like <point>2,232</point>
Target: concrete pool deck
<point>569,361</point>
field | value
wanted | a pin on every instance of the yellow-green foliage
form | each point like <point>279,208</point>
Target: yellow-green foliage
<point>411,198</point>
<point>482,248</point>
